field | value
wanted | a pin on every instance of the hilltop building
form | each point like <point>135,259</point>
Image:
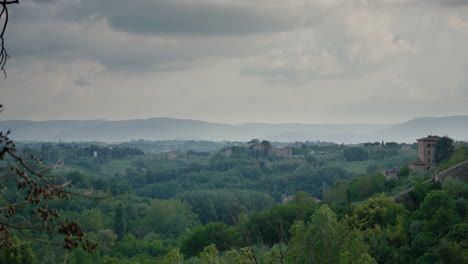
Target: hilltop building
<point>284,152</point>
<point>391,173</point>
<point>426,149</point>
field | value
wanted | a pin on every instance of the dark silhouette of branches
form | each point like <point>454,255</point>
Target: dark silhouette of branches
<point>4,16</point>
<point>35,189</point>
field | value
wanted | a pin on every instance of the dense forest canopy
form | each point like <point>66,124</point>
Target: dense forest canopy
<point>247,204</point>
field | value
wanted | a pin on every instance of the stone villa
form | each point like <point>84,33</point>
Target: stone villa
<point>391,173</point>
<point>426,148</point>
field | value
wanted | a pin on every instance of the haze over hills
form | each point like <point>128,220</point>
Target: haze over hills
<point>183,129</point>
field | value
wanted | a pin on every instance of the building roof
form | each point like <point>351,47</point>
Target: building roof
<point>429,138</point>
<point>394,170</point>
<point>418,162</point>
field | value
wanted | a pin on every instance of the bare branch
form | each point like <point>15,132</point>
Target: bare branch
<point>4,15</point>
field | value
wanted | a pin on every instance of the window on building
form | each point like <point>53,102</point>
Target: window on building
<point>429,152</point>
<point>429,160</point>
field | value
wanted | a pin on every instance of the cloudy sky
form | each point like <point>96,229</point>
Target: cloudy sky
<point>234,61</point>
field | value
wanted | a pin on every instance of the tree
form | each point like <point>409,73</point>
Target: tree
<point>253,142</point>
<point>31,187</point>
<point>120,222</point>
<point>443,150</point>
<point>379,210</point>
<point>325,239</point>
<point>30,184</point>
<point>20,253</point>
<point>172,257</point>
<point>404,171</point>
<point>266,148</point>
<point>212,233</point>
<point>210,255</point>
<point>169,217</point>
<point>4,15</point>
<point>106,239</point>
<point>356,154</point>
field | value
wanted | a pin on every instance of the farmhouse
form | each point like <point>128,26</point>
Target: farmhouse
<point>426,148</point>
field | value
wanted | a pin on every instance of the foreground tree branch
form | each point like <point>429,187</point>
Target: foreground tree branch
<point>34,190</point>
<point>4,16</point>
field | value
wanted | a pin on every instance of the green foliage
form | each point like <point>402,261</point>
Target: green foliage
<point>392,145</point>
<point>272,227</point>
<point>274,256</point>
<point>234,194</point>
<point>423,188</point>
<point>222,205</point>
<point>311,179</point>
<point>324,240</point>
<point>452,253</point>
<point>338,193</point>
<point>439,210</point>
<point>219,234</point>
<point>19,253</point>
<point>460,155</point>
<point>355,154</point>
<point>170,218</point>
<point>378,211</point>
<point>120,222</point>
<point>457,188</point>
<point>363,187</point>
<point>106,239</point>
<point>210,255</point>
<point>79,180</point>
<point>404,171</point>
<point>372,169</point>
<point>383,225</point>
<point>172,257</point>
<point>130,247</point>
<point>443,150</point>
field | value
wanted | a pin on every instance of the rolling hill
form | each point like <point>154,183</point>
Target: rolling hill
<point>184,129</point>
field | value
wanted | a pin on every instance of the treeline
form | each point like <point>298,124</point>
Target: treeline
<point>227,207</point>
<point>432,230</point>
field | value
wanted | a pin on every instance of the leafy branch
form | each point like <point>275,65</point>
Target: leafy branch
<point>36,189</point>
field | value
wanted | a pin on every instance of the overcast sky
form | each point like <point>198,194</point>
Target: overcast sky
<point>235,61</point>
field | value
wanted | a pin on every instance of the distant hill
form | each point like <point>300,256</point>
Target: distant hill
<point>183,129</point>
<point>455,127</point>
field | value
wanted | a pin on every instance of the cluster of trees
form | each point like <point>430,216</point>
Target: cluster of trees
<point>224,207</point>
<point>378,230</point>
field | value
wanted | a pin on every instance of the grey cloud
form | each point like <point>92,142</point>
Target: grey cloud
<point>69,30</point>
<point>198,30</point>
<point>452,2</point>
<point>171,17</point>
<point>116,50</point>
<point>45,1</point>
<point>412,2</point>
<point>82,81</point>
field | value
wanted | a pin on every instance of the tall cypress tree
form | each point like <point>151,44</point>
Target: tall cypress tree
<point>120,222</point>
